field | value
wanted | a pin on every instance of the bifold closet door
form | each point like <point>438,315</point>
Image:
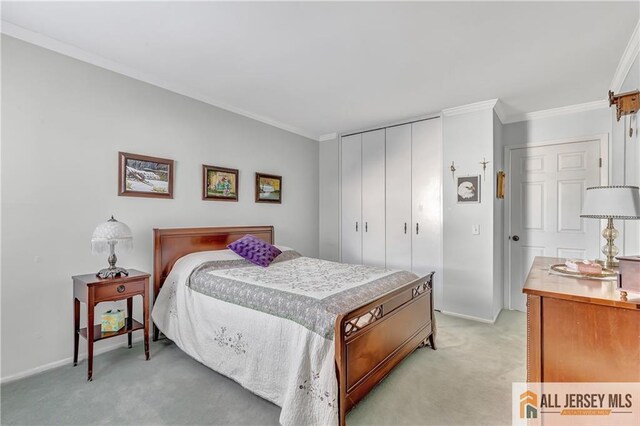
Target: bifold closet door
<point>426,188</point>
<point>373,202</point>
<point>351,199</point>
<point>398,197</point>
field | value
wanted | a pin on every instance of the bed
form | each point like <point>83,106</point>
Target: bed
<point>311,336</point>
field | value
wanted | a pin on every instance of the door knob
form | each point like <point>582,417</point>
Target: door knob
<point>515,238</point>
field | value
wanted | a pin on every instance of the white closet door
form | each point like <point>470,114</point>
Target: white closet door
<point>351,169</point>
<point>426,188</point>
<point>398,195</point>
<point>373,205</point>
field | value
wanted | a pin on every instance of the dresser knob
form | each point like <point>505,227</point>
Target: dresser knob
<point>120,289</point>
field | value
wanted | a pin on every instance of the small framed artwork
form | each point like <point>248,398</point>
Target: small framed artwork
<point>469,189</point>
<point>500,185</point>
<point>268,188</point>
<point>144,176</point>
<point>219,183</point>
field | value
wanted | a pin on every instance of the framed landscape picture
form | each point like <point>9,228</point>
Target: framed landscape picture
<point>144,176</point>
<point>469,189</point>
<point>268,188</point>
<point>219,183</point>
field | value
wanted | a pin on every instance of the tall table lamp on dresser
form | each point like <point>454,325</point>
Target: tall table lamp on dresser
<point>105,238</point>
<point>611,202</point>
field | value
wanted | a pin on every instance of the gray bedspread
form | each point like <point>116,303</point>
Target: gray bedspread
<point>311,292</point>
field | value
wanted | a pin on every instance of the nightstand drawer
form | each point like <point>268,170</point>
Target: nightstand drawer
<point>118,291</point>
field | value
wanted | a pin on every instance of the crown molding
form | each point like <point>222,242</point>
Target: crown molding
<point>327,137</point>
<point>82,55</point>
<point>553,112</point>
<point>392,124</point>
<point>464,109</point>
<point>496,104</point>
<point>500,111</point>
<point>626,61</point>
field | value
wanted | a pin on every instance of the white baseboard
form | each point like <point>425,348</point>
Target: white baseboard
<point>497,314</point>
<point>472,318</point>
<point>69,360</point>
<point>65,361</point>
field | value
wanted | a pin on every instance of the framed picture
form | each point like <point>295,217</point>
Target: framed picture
<point>219,183</point>
<point>144,176</point>
<point>468,189</point>
<point>268,188</point>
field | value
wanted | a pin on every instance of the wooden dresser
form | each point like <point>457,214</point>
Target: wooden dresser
<point>579,330</point>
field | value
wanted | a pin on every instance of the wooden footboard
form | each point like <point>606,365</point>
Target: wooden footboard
<point>375,337</point>
<point>370,340</point>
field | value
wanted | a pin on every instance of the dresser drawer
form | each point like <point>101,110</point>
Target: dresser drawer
<point>118,291</point>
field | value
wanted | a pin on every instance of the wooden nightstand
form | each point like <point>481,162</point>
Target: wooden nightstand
<point>92,290</point>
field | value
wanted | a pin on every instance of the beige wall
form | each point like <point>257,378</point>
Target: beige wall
<point>469,276</point>
<point>63,123</point>
<point>329,238</point>
<point>630,175</point>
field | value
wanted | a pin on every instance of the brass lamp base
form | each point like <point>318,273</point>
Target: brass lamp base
<point>112,272</point>
<point>607,264</point>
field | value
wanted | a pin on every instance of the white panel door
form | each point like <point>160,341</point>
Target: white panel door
<point>351,196</point>
<point>373,201</point>
<point>546,191</point>
<point>426,200</point>
<point>398,196</point>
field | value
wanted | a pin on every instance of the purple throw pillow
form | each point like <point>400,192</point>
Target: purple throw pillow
<point>255,250</point>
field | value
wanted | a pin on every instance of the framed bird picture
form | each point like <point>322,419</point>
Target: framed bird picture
<point>468,189</point>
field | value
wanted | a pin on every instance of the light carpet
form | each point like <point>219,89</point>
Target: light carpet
<point>467,381</point>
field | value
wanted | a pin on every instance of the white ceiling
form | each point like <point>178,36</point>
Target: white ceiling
<point>318,68</point>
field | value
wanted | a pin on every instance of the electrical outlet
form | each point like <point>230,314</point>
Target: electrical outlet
<point>475,229</point>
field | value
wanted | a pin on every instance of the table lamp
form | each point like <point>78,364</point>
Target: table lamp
<point>105,238</point>
<point>611,202</point>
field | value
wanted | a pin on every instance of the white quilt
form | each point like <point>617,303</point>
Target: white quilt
<point>269,329</point>
<point>281,360</point>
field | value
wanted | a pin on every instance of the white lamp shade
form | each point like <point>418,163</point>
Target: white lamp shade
<point>111,232</point>
<point>611,202</point>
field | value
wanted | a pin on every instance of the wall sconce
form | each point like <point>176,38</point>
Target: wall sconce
<point>500,185</point>
<point>626,103</point>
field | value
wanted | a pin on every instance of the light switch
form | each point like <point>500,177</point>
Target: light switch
<point>475,229</point>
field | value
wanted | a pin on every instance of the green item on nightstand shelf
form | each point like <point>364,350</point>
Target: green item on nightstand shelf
<point>112,320</point>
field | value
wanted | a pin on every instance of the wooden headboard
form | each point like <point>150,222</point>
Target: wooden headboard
<point>169,245</point>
